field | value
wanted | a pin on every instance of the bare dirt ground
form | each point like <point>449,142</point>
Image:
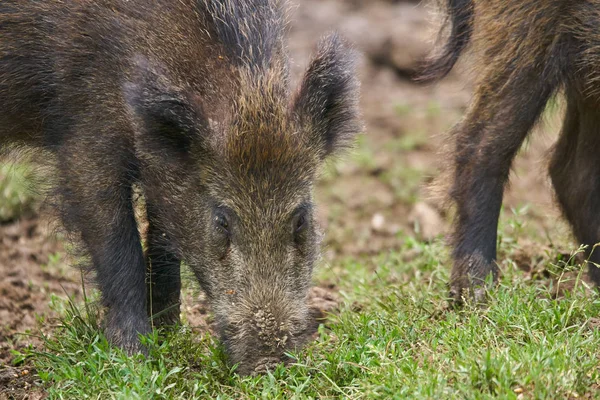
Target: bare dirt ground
<point>376,192</point>
<point>381,189</point>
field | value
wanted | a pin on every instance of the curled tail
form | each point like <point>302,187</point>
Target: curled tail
<point>459,18</point>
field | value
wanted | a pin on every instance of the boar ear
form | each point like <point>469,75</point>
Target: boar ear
<point>327,99</point>
<point>169,121</point>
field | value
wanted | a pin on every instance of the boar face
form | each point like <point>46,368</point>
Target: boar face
<point>260,246</point>
<point>235,195</point>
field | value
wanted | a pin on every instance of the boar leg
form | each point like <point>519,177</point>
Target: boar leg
<point>164,283</point>
<point>97,202</point>
<point>505,108</point>
<point>575,174</point>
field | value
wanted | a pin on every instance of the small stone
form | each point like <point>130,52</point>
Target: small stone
<point>428,222</point>
<point>378,222</point>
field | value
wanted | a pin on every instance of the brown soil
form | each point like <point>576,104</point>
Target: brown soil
<point>19,383</point>
<point>364,201</point>
<point>27,249</point>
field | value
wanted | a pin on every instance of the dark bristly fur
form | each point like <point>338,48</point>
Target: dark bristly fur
<point>190,100</point>
<point>524,52</point>
<point>459,22</point>
<point>250,31</point>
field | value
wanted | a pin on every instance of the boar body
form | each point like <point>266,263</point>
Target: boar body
<point>189,99</point>
<point>524,52</point>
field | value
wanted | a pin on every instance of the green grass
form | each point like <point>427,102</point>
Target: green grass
<point>404,181</point>
<point>393,338</point>
<point>411,141</point>
<point>16,195</point>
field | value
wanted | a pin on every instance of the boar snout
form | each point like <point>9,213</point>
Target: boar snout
<point>259,340</point>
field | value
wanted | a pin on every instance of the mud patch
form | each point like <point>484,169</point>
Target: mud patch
<point>32,270</point>
<point>19,383</point>
<point>555,268</point>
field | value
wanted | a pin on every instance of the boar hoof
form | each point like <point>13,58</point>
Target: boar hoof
<point>126,336</point>
<point>471,281</point>
<point>475,295</point>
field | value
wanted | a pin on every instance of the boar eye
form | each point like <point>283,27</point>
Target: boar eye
<point>300,222</point>
<point>221,222</point>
